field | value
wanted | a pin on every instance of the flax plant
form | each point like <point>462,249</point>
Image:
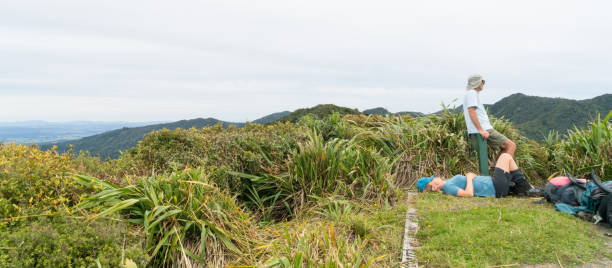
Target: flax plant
<point>186,219</point>
<point>337,167</point>
<point>587,149</point>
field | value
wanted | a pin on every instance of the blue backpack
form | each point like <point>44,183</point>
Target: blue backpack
<point>567,190</point>
<point>590,197</point>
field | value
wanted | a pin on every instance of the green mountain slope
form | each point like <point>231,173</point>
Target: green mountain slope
<point>377,110</point>
<point>108,144</point>
<point>271,118</point>
<point>383,111</point>
<point>413,114</point>
<point>319,111</point>
<point>536,116</point>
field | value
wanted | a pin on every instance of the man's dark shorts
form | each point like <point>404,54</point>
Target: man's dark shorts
<point>509,183</point>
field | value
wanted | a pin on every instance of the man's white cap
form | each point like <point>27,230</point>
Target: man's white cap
<point>474,81</point>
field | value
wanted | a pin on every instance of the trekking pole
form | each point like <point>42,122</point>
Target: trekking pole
<point>480,146</point>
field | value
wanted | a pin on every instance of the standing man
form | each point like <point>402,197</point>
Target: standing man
<point>477,120</point>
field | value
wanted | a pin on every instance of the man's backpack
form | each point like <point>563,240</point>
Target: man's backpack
<point>572,195</point>
<point>567,190</point>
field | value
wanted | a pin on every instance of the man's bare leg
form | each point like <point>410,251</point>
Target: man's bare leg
<point>508,147</point>
<point>506,163</point>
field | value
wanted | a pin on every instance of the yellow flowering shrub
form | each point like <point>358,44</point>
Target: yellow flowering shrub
<point>34,180</point>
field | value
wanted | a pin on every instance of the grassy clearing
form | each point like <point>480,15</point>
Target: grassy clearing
<point>480,232</point>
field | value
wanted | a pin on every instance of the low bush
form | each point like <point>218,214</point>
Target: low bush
<point>35,181</point>
<point>62,241</point>
<point>112,170</point>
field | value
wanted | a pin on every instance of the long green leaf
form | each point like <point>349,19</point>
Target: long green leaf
<point>118,207</point>
<point>166,215</point>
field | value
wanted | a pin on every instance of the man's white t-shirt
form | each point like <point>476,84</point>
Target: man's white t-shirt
<point>472,99</point>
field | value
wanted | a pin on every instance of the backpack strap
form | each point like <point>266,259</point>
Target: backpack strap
<point>575,181</point>
<point>598,183</point>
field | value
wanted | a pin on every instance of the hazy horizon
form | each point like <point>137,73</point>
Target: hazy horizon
<point>457,102</point>
<point>239,60</point>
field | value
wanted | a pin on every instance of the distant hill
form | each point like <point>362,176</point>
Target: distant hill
<point>383,111</point>
<point>413,114</point>
<point>108,144</point>
<point>536,116</point>
<point>319,111</point>
<point>271,118</point>
<point>377,110</point>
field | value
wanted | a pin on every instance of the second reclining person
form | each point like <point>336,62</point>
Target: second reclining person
<point>507,180</point>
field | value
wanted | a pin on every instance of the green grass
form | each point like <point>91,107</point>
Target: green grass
<point>480,232</point>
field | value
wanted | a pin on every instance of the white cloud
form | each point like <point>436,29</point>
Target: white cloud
<point>239,60</point>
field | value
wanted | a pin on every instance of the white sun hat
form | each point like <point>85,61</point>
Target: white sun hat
<point>474,81</point>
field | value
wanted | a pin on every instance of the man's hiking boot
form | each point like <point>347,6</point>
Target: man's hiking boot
<point>536,192</point>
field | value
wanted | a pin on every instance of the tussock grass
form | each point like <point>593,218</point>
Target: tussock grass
<point>338,233</point>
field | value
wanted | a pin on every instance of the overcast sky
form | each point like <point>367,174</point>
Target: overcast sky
<point>240,60</point>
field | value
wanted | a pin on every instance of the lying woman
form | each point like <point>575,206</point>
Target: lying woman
<point>507,180</point>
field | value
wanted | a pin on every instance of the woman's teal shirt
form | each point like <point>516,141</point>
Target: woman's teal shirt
<point>483,185</point>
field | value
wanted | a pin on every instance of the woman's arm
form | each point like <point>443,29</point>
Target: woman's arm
<point>469,186</point>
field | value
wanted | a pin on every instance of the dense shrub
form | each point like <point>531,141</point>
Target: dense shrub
<point>112,170</point>
<point>35,180</point>
<point>62,241</point>
<point>253,149</point>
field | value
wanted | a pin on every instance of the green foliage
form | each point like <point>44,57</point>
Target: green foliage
<point>320,247</point>
<point>184,217</point>
<point>586,149</point>
<point>347,233</point>
<point>252,149</point>
<point>34,180</point>
<point>227,154</point>
<point>213,195</point>
<point>62,241</point>
<point>170,149</point>
<point>434,144</point>
<point>338,167</point>
<point>112,170</point>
